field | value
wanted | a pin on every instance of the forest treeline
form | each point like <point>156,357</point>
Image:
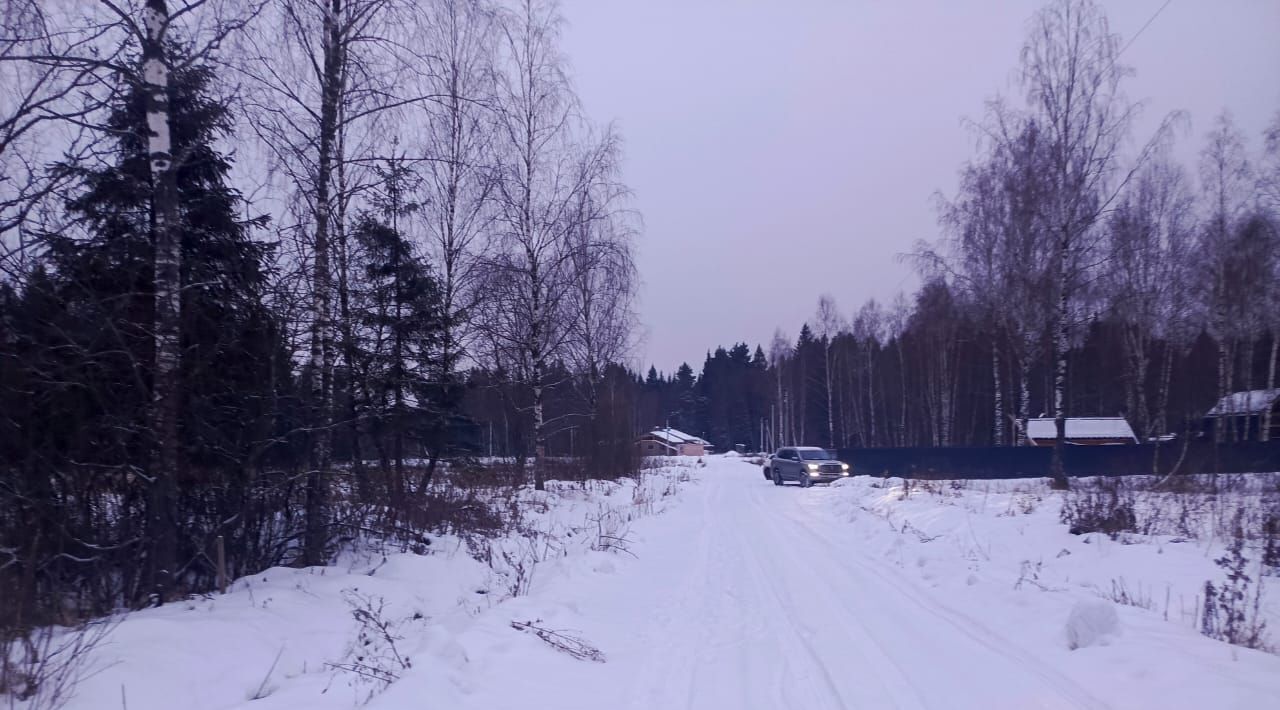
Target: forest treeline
<point>1081,270</point>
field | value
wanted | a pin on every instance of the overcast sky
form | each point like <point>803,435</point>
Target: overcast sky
<point>779,149</point>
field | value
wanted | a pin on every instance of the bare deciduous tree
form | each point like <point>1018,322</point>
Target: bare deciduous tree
<point>1073,80</point>
<point>542,175</point>
<point>1225,179</point>
<point>54,85</point>
<point>458,176</point>
<point>1269,191</point>
<point>603,275</point>
<point>320,74</point>
<point>829,324</point>
<point>1147,280</point>
<point>999,256</point>
<point>779,353</point>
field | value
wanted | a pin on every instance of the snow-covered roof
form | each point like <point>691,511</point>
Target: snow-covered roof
<point>675,436</point>
<point>1254,402</point>
<point>1081,428</point>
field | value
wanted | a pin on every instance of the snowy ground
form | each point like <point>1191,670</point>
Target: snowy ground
<point>723,592</point>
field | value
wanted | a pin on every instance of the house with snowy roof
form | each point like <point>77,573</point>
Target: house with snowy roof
<point>671,442</point>
<point>1247,412</point>
<point>1081,431</point>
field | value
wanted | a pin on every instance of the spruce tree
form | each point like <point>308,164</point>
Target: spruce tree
<point>93,317</point>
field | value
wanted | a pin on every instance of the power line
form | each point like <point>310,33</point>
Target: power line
<point>1143,28</point>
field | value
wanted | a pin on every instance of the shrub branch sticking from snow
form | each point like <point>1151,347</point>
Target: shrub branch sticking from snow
<point>44,667</point>
<point>542,535</point>
<point>561,641</point>
<point>373,661</point>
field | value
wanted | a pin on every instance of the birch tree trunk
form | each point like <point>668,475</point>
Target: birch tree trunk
<point>871,393</point>
<point>1162,405</point>
<point>1060,343</point>
<point>399,367</point>
<point>321,357</point>
<point>1265,433</point>
<point>1219,423</point>
<point>902,382</point>
<point>1024,396</point>
<point>1228,359</point>
<point>831,412</point>
<point>1136,344</point>
<point>537,375</point>
<point>950,384</point>
<point>781,431</point>
<point>166,229</point>
<point>997,430</point>
<point>356,390</point>
<point>855,405</point>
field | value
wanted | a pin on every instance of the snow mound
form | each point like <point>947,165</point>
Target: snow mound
<point>1092,622</point>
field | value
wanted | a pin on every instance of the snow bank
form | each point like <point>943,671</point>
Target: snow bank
<point>345,635</point>
<point>997,551</point>
<point>1093,622</point>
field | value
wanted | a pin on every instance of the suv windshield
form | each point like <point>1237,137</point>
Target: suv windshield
<point>814,455</point>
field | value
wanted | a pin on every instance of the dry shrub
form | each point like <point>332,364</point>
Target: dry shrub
<point>1233,608</point>
<point>41,667</point>
<point>1103,505</point>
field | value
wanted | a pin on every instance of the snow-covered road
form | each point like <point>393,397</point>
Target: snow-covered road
<point>723,592</point>
<point>774,609</point>
<point>747,596</point>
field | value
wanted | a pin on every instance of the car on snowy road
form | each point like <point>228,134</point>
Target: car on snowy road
<point>805,465</point>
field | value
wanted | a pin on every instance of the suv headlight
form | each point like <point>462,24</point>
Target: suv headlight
<point>844,467</point>
<point>813,466</point>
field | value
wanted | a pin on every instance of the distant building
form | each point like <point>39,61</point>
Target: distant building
<point>1081,431</point>
<point>1246,411</point>
<point>671,442</point>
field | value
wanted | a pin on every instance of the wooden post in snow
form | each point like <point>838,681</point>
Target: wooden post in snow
<point>221,550</point>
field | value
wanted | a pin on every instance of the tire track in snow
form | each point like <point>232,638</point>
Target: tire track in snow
<point>700,626</point>
<point>904,588</point>
<point>669,654</point>
<point>886,673</point>
<point>772,609</point>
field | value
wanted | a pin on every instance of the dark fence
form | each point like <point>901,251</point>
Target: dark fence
<point>1031,462</point>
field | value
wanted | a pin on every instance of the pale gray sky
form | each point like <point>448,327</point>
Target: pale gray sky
<point>814,133</point>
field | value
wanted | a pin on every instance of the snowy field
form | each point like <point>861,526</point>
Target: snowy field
<point>708,587</point>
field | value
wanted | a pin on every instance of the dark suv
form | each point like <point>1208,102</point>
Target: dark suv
<point>805,465</point>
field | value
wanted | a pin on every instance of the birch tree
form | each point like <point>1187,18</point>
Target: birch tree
<point>166,392</point>
<point>998,253</point>
<point>829,326</point>
<point>458,143</point>
<point>1225,180</point>
<point>320,75</point>
<point>1269,196</point>
<point>541,174</point>
<point>1072,82</point>
<point>870,327</point>
<point>1149,241</point>
<point>975,220</point>
<point>603,275</point>
<point>779,355</point>
<point>893,325</point>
